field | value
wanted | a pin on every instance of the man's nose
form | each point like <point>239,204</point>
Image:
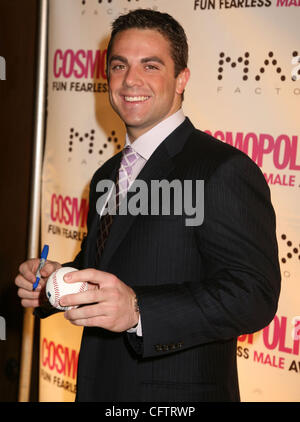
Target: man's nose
<point>133,77</point>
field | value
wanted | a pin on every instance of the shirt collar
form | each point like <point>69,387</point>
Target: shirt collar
<point>147,143</point>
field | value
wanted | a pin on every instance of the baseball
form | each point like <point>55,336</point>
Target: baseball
<point>56,287</point>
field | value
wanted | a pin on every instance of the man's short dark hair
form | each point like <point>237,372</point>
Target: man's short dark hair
<point>165,24</point>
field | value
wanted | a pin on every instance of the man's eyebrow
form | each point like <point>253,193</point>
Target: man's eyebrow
<point>119,58</point>
<point>153,59</point>
<point>144,60</point>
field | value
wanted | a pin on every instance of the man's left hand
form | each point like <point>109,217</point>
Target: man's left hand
<point>108,303</point>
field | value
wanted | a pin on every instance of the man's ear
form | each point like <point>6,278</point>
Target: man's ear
<point>182,80</point>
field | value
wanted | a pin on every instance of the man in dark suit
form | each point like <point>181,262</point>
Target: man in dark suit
<point>167,300</point>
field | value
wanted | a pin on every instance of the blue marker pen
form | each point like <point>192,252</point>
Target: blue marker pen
<point>43,259</point>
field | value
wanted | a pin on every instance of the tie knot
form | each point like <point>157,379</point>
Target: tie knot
<point>129,158</point>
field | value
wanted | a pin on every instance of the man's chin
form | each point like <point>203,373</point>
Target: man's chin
<point>135,123</point>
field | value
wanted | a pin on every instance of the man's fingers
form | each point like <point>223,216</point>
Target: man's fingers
<point>82,298</point>
<point>108,303</point>
<point>48,269</point>
<point>26,279</point>
<point>26,294</point>
<point>27,269</point>
<point>23,283</point>
<point>29,303</point>
<point>86,312</point>
<point>103,322</point>
<point>90,316</point>
<point>89,275</point>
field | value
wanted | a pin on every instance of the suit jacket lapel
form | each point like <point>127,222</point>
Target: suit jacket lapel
<point>159,165</point>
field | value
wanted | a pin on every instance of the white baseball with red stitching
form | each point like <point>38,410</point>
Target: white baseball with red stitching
<point>56,287</point>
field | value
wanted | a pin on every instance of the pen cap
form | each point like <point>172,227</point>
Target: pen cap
<point>45,252</point>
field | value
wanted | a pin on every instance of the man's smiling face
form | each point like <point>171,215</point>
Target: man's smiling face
<point>143,89</point>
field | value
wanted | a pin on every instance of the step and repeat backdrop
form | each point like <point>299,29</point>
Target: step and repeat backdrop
<point>244,90</point>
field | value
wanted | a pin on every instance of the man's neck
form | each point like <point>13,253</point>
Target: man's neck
<point>134,134</point>
<point>145,144</point>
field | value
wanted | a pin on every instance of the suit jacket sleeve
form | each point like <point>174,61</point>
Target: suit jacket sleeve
<point>240,288</point>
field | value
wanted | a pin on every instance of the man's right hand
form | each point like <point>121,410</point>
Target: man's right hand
<point>26,278</point>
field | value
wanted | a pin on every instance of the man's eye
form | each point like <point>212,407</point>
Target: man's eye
<point>151,67</point>
<point>118,67</point>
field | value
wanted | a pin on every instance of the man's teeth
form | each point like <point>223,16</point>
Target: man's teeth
<point>132,99</point>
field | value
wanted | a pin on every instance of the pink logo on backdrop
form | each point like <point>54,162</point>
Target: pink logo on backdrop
<point>68,217</point>
<point>280,336</point>
<point>288,3</point>
<point>69,210</point>
<point>80,64</point>
<point>57,362</point>
<point>282,150</point>
<point>277,335</point>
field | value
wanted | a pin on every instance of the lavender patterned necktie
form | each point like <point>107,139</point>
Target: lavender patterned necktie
<point>129,158</point>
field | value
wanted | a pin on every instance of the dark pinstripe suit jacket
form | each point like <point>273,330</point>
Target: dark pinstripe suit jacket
<point>198,288</point>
